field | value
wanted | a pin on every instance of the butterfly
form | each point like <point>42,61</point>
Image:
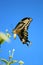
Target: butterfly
<point>21,30</point>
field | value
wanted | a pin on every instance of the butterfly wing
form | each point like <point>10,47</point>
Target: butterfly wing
<point>19,25</point>
<point>25,22</point>
<point>23,35</point>
<point>21,29</point>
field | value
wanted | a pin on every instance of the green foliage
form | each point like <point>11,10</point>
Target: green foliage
<point>10,60</point>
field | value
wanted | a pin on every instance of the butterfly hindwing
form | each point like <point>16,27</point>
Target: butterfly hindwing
<point>23,35</point>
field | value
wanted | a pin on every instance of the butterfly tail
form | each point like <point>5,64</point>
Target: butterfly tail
<point>28,43</point>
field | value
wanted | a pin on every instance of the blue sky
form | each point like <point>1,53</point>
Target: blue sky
<point>11,12</point>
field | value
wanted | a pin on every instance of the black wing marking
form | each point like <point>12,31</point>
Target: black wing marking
<point>27,22</point>
<point>27,25</point>
<point>19,25</point>
<point>23,35</point>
